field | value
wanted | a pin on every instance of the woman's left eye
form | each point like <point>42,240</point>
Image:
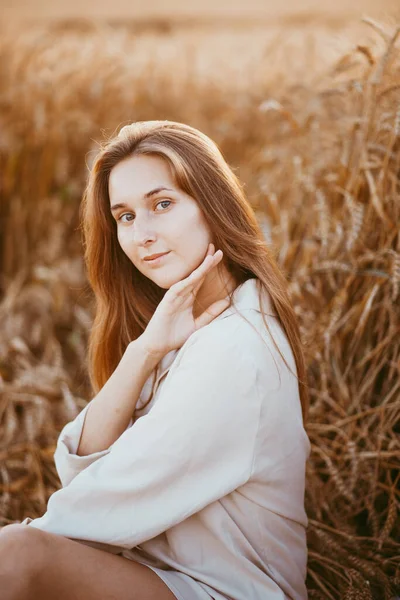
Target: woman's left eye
<point>163,202</point>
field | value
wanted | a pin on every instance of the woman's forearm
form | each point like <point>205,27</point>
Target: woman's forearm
<point>110,411</point>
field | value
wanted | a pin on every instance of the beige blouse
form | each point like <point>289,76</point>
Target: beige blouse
<point>207,481</point>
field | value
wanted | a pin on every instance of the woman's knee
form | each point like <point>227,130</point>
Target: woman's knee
<point>11,534</point>
<point>22,548</point>
<point>22,556</point>
<point>14,532</point>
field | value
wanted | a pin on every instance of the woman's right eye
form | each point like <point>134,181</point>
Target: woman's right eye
<point>124,215</point>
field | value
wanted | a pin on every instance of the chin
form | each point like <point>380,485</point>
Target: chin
<point>162,285</point>
<point>165,281</point>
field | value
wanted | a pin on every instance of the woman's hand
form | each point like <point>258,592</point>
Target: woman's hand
<point>173,322</point>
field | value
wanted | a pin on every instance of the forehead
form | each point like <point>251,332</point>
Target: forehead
<point>137,175</point>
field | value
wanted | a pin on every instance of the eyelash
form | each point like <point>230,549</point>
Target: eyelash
<point>120,217</point>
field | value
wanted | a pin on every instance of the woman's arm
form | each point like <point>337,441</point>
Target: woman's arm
<point>110,412</point>
<point>171,325</point>
<point>194,446</point>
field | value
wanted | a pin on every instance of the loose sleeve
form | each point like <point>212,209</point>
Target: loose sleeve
<point>194,446</point>
<point>68,463</point>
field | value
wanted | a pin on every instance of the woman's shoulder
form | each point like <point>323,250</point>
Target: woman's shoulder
<point>227,331</point>
<point>238,337</point>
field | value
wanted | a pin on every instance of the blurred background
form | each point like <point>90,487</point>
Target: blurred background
<point>264,9</point>
<point>303,99</point>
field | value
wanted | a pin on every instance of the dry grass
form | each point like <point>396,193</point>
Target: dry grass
<point>315,136</point>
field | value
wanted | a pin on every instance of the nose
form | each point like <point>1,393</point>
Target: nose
<point>143,232</point>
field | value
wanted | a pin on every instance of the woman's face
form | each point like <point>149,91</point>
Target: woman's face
<point>168,220</point>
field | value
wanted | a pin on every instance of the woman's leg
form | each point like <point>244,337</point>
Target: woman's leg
<point>37,564</point>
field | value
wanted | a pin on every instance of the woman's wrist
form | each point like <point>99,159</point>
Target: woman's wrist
<point>139,351</point>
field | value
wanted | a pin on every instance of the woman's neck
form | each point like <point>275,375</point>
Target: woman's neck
<point>216,286</point>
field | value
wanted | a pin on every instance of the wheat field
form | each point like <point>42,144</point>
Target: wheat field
<point>309,118</point>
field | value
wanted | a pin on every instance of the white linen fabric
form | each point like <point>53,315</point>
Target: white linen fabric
<point>207,482</point>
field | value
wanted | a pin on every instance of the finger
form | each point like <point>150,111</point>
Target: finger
<point>199,274</point>
<point>212,311</point>
<point>196,285</point>
<point>210,252</point>
<point>209,261</point>
<point>196,277</point>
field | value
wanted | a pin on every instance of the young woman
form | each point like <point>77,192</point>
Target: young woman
<point>184,477</point>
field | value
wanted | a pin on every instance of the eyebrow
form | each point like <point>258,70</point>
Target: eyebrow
<point>146,196</point>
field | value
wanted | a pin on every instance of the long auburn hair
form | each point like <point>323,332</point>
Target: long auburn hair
<point>125,299</point>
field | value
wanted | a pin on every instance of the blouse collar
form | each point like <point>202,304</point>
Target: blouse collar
<point>245,297</point>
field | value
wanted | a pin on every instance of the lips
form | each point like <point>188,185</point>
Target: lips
<point>155,256</point>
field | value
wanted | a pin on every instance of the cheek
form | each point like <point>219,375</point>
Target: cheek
<point>191,243</point>
<point>126,246</point>
<point>191,229</point>
<point>121,239</point>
